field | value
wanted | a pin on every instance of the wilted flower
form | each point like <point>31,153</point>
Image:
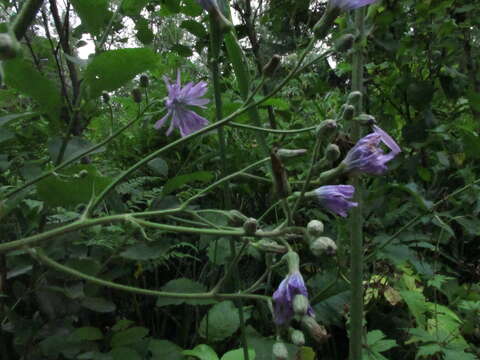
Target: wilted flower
<point>350,4</point>
<point>367,156</point>
<point>291,286</point>
<point>336,198</point>
<point>177,103</point>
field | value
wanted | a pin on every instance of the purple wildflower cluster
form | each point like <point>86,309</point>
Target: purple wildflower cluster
<point>177,103</point>
<point>290,286</point>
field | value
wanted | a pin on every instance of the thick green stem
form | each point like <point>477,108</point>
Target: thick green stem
<point>356,220</point>
<point>25,17</point>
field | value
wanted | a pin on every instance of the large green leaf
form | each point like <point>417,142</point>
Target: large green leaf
<point>93,13</point>
<point>238,355</point>
<point>22,76</point>
<point>223,321</point>
<point>128,336</point>
<point>164,349</point>
<point>183,285</point>
<point>71,186</point>
<point>112,69</point>
<point>202,352</point>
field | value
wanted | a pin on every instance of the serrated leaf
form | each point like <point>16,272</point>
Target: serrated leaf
<point>21,75</point>
<point>93,13</point>
<point>112,69</point>
<point>179,181</point>
<point>164,349</point>
<point>223,321</point>
<point>238,355</point>
<point>277,103</point>
<point>202,352</point>
<point>183,285</point>
<point>128,336</point>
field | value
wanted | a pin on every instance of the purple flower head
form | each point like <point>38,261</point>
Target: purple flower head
<point>208,5</point>
<point>177,103</point>
<point>367,156</point>
<point>283,297</point>
<point>336,198</point>
<point>350,4</point>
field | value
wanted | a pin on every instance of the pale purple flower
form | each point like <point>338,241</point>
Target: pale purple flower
<point>292,285</point>
<point>178,102</point>
<point>207,4</point>
<point>336,198</point>
<point>367,156</point>
<point>350,4</point>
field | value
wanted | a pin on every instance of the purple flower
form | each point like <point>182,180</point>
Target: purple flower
<point>207,4</point>
<point>335,198</point>
<point>350,4</point>
<point>367,156</point>
<point>283,297</point>
<point>177,103</point>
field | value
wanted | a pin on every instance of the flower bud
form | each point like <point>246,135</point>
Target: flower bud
<point>144,81</point>
<point>332,152</point>
<point>326,128</point>
<point>9,46</point>
<point>137,95</point>
<point>279,351</point>
<point>354,98</point>
<point>105,97</point>
<point>270,246</point>
<point>322,245</point>
<point>316,331</point>
<point>300,304</point>
<point>272,65</point>
<point>83,173</point>
<point>323,26</point>
<point>250,226</point>
<point>290,153</point>
<point>297,337</point>
<point>366,119</point>
<point>236,218</point>
<point>315,228</point>
<point>348,112</point>
<point>345,43</point>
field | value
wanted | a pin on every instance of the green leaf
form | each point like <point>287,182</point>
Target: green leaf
<point>159,165</point>
<point>143,252</point>
<point>191,8</point>
<point>93,13</point>
<point>128,336</point>
<point>425,351</point>
<point>179,181</point>
<point>20,75</point>
<point>112,69</point>
<point>377,342</point>
<point>125,353</point>
<point>238,355</point>
<point>133,7</point>
<point>279,104</point>
<point>87,266</point>
<point>183,285</point>
<point>202,352</point>
<point>194,28</point>
<point>70,188</point>
<point>122,324</point>
<point>219,251</point>
<point>458,355</point>
<point>144,33</point>
<point>182,50</point>
<point>164,349</point>
<point>417,304</point>
<point>98,304</point>
<point>172,5</point>
<point>75,147</point>
<point>7,118</point>
<point>86,333</point>
<point>223,322</point>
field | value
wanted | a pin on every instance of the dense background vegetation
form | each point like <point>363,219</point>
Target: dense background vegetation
<point>421,226</point>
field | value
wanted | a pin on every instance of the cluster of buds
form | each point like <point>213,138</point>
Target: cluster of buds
<point>319,244</point>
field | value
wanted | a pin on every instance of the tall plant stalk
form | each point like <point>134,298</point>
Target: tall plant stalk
<point>356,222</point>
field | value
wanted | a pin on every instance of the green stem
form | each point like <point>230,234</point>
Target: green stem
<point>39,255</point>
<point>25,17</point>
<point>356,220</point>
<point>272,131</point>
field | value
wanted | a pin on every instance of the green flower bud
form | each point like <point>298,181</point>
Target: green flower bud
<point>290,153</point>
<point>323,245</point>
<point>315,228</point>
<point>297,337</point>
<point>144,81</point>
<point>300,304</point>
<point>272,65</point>
<point>280,351</point>
<point>316,331</point>
<point>348,112</point>
<point>270,246</point>
<point>105,97</point>
<point>326,128</point>
<point>9,46</point>
<point>366,119</point>
<point>137,95</point>
<point>326,22</point>
<point>345,43</point>
<point>332,152</point>
<point>354,98</point>
<point>250,226</point>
